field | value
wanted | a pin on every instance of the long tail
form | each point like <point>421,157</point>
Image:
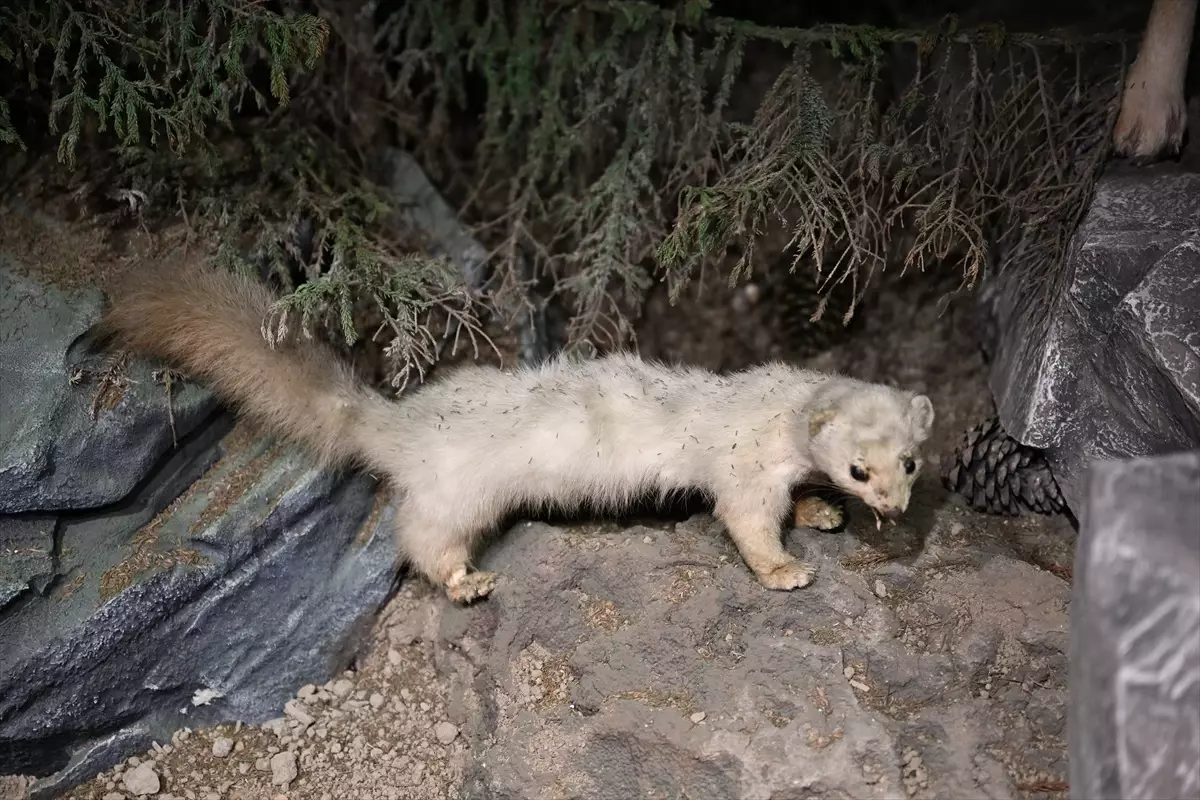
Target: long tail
<point>207,322</point>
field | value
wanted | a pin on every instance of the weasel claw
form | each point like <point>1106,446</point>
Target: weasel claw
<point>471,586</point>
<point>795,574</point>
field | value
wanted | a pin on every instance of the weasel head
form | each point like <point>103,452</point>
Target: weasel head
<point>868,440</point>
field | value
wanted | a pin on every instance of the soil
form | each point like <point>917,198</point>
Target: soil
<point>382,729</point>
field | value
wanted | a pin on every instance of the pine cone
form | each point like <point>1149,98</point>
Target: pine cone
<point>997,474</point>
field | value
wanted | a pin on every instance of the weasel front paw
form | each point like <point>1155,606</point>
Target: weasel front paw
<point>795,574</point>
<point>813,512</point>
<point>1151,124</point>
<point>471,586</point>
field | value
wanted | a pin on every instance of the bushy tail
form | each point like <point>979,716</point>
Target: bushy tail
<point>207,322</point>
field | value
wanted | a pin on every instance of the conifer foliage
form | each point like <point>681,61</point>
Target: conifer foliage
<point>595,145</point>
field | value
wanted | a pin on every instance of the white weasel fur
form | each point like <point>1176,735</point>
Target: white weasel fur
<point>1153,116</point>
<point>480,443</point>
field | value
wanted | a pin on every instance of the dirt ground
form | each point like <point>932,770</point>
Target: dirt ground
<point>381,729</point>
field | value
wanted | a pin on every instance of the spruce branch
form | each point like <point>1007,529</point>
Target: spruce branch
<point>620,143</point>
<point>858,40</point>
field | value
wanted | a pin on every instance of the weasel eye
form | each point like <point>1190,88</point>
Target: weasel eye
<point>909,465</point>
<point>858,473</point>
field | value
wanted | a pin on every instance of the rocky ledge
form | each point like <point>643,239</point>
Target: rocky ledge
<point>160,567</point>
<point>647,662</point>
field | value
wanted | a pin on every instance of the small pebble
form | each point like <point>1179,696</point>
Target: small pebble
<point>283,768</point>
<point>647,540</point>
<point>343,688</point>
<point>296,710</point>
<point>698,717</point>
<point>377,700</point>
<point>222,746</point>
<point>862,687</point>
<point>880,588</point>
<point>445,732</point>
<point>849,673</point>
<point>141,781</point>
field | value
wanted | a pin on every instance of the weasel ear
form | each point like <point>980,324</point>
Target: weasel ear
<point>819,419</point>
<point>921,416</point>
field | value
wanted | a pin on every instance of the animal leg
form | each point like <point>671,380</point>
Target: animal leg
<point>818,514</point>
<point>441,551</point>
<point>1153,115</point>
<point>753,521</point>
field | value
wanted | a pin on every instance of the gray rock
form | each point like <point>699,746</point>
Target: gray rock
<point>256,581</point>
<point>283,768</point>
<point>26,555</point>
<point>153,578</point>
<point>142,780</point>
<point>1135,638</point>
<point>222,746</point>
<point>1106,364</point>
<point>427,211</point>
<point>445,732</point>
<point>53,455</point>
<point>584,673</point>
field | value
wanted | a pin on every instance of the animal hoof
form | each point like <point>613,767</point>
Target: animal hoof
<point>793,575</point>
<point>472,586</point>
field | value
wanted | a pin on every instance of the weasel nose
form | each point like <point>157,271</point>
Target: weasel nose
<point>891,512</point>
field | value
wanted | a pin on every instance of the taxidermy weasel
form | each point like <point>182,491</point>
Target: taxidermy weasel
<point>467,449</point>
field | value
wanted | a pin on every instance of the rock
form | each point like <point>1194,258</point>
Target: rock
<point>288,564</point>
<point>1135,641</point>
<point>222,746</point>
<point>427,211</point>
<point>140,781</point>
<point>27,560</point>
<point>1111,369</point>
<point>296,710</point>
<point>54,456</point>
<point>283,768</point>
<point>16,787</point>
<point>446,236</point>
<point>445,732</point>
<point>156,579</point>
<point>211,595</point>
<point>583,674</point>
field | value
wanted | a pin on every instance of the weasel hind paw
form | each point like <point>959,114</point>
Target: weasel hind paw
<point>795,574</point>
<point>471,586</point>
<point>818,514</point>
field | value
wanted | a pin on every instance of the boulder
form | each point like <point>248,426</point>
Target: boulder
<point>1135,636</point>
<point>1105,363</point>
<point>61,422</point>
<point>160,566</point>
<point>231,577</point>
<point>645,662</point>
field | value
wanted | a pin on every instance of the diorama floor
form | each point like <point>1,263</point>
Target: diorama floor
<point>927,660</point>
